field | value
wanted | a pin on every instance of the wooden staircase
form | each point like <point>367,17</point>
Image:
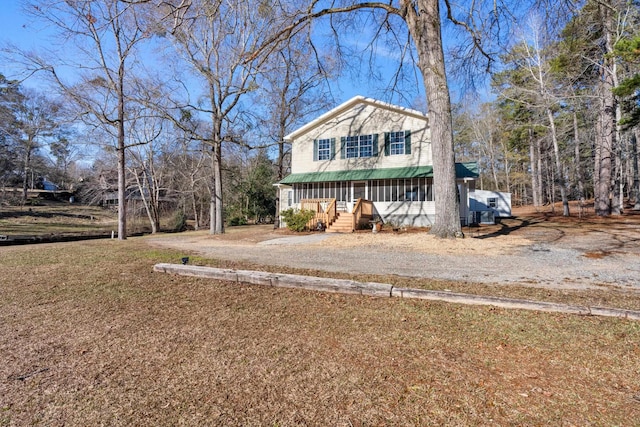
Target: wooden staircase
<point>342,224</point>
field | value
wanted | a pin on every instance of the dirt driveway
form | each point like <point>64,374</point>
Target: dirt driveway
<point>532,249</point>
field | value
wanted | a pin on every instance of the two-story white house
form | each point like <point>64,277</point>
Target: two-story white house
<point>363,160</point>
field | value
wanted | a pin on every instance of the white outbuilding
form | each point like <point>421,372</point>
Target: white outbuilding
<point>486,206</point>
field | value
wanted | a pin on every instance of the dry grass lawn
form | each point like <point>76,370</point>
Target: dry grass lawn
<point>89,335</point>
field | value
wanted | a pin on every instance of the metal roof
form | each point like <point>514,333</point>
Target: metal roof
<point>463,170</point>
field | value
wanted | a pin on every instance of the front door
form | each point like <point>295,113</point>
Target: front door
<point>358,191</point>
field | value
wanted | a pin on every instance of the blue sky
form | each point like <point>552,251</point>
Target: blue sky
<point>19,29</point>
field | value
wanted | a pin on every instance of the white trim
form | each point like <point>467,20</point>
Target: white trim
<point>359,99</point>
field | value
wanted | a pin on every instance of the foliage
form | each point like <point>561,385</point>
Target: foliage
<point>179,222</point>
<point>249,190</point>
<point>629,88</point>
<point>237,220</point>
<point>297,220</point>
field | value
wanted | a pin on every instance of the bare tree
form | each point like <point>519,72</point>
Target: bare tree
<point>37,117</point>
<point>217,40</point>
<point>422,21</point>
<point>100,39</point>
<point>293,85</point>
<point>11,98</point>
<point>539,68</point>
<point>147,136</point>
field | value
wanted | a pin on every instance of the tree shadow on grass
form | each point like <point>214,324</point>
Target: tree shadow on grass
<point>514,224</point>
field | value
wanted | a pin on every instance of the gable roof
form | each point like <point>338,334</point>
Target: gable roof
<point>345,106</point>
<point>463,170</point>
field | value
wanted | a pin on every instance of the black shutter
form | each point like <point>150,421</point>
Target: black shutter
<point>375,145</point>
<point>407,142</point>
<point>333,149</point>
<point>315,150</point>
<point>342,147</point>
<point>386,144</point>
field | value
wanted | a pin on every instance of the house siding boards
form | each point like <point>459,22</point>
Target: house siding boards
<point>494,201</point>
<point>361,116</point>
<point>397,158</point>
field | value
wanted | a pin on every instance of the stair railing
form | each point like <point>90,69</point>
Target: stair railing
<point>325,211</point>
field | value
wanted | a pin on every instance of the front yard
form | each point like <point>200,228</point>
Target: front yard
<point>89,335</point>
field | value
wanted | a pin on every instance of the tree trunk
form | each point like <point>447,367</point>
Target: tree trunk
<point>218,227</point>
<point>578,166</point>
<point>559,169</point>
<point>146,203</point>
<point>507,177</point>
<point>535,190</point>
<point>122,201</point>
<point>618,194</point>
<point>25,180</point>
<point>426,33</point>
<point>605,139</point>
<point>539,161</point>
<point>636,176</point>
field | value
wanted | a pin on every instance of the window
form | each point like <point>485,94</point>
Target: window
<point>351,145</point>
<point>396,143</point>
<point>399,190</point>
<point>324,149</point>
<point>359,146</point>
<point>492,202</point>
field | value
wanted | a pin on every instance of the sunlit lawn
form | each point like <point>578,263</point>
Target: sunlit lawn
<point>90,335</point>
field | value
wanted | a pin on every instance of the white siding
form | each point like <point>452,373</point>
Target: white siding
<point>479,201</point>
<point>363,119</point>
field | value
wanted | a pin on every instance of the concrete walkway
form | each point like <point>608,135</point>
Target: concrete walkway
<point>384,290</point>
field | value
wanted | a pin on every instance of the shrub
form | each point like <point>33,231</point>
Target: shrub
<point>297,220</point>
<point>237,220</point>
<point>179,221</point>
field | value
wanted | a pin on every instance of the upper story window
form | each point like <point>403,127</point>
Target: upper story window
<point>324,149</point>
<point>359,146</point>
<point>362,146</point>
<point>396,143</point>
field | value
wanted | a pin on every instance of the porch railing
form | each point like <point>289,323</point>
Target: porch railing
<point>363,209</point>
<point>325,209</point>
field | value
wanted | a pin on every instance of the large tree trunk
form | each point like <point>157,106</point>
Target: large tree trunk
<point>424,27</point>
<point>604,148</point>
<point>605,138</point>
<point>216,226</point>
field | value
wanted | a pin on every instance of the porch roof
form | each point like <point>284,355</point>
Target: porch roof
<point>463,170</point>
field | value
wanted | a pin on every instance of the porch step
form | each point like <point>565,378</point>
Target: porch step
<point>342,224</point>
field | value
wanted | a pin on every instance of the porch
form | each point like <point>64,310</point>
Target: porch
<point>335,217</point>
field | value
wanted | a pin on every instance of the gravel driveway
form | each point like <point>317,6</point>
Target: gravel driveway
<point>516,252</point>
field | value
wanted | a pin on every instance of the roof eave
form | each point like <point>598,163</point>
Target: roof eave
<point>358,99</point>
